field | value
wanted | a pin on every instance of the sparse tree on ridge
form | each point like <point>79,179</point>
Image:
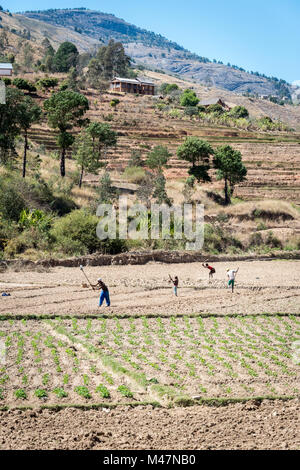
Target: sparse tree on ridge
<point>230,167</point>
<point>65,109</point>
<point>197,152</point>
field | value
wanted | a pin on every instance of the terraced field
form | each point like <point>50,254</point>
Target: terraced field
<point>273,160</point>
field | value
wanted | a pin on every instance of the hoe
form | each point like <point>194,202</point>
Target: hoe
<point>81,269</point>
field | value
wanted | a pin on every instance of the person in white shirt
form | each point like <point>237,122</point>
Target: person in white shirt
<point>231,273</point>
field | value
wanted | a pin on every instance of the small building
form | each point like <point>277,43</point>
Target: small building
<point>6,70</point>
<point>212,101</point>
<point>132,85</point>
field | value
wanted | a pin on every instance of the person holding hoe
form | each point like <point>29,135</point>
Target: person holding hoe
<point>104,292</point>
<point>231,273</point>
<point>211,271</point>
<point>175,284</point>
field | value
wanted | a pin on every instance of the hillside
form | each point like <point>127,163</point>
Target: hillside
<point>156,51</point>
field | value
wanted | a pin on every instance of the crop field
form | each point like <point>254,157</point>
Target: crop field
<point>208,369</point>
<point>148,360</point>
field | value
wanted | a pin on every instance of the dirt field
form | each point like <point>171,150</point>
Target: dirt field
<point>272,425</point>
<point>270,286</point>
<point>148,352</point>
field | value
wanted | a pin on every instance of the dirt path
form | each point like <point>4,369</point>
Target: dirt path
<point>261,286</point>
<point>272,425</point>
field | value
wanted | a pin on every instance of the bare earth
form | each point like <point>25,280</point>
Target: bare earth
<point>261,286</point>
<point>272,425</point>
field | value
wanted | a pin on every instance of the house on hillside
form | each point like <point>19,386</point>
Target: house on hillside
<point>212,101</point>
<point>6,70</point>
<point>130,85</point>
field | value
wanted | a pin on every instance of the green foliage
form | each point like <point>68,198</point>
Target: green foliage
<point>60,392</point>
<point>103,137</point>
<point>167,88</point>
<point>12,203</point>
<point>83,391</point>
<point>20,393</point>
<point>197,152</point>
<point>160,193</point>
<point>65,109</point>
<point>215,108</point>
<point>110,60</point>
<point>106,192</point>
<point>47,82</point>
<point>239,112</point>
<point>36,218</point>
<point>65,57</point>
<point>40,393</point>
<point>124,390</point>
<point>10,124</point>
<point>23,84</point>
<point>230,167</point>
<point>189,98</point>
<point>189,188</point>
<point>76,233</point>
<point>85,154</point>
<point>158,158</point>
<point>104,392</point>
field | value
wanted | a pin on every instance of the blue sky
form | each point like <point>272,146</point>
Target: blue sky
<point>258,35</point>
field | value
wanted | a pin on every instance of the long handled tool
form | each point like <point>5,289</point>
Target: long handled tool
<point>81,269</point>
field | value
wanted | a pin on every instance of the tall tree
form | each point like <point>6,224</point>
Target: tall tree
<point>85,156</point>
<point>230,167</point>
<point>102,136</point>
<point>65,57</point>
<point>197,152</point>
<point>9,123</point>
<point>65,109</point>
<point>110,60</point>
<point>29,113</point>
<point>158,158</point>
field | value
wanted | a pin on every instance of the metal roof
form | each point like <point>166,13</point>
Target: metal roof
<point>131,80</point>
<point>5,66</point>
<point>126,80</point>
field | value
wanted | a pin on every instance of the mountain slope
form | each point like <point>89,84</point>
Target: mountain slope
<point>156,51</point>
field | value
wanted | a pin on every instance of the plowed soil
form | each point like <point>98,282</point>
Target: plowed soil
<point>272,425</point>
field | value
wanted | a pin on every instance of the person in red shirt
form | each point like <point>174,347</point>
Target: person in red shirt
<point>211,270</point>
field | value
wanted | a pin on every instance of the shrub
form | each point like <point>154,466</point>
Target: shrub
<point>23,84</point>
<point>76,233</point>
<point>11,201</point>
<point>47,82</point>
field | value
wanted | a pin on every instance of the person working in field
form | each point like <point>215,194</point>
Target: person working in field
<point>211,270</point>
<point>175,283</point>
<point>104,292</point>
<point>231,273</point>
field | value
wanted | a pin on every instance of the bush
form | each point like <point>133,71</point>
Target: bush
<point>23,84</point>
<point>75,233</point>
<point>12,201</point>
<point>47,82</point>
<point>239,112</point>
